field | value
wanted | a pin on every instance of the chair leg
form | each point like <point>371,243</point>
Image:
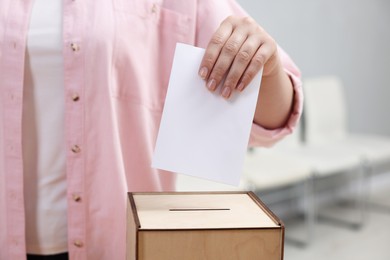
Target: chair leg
<point>310,213</point>
<point>372,205</point>
<point>360,204</point>
<point>364,183</point>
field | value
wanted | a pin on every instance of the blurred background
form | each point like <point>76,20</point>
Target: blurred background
<point>329,181</point>
<point>348,38</point>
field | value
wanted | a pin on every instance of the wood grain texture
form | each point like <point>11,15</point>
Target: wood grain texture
<point>202,225</point>
<point>131,231</point>
<point>155,211</point>
<point>246,244</point>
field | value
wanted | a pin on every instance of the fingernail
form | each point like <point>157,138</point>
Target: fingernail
<point>226,92</point>
<point>203,72</point>
<point>211,84</point>
<point>240,86</point>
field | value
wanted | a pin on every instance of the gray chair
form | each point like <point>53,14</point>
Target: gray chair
<point>326,120</point>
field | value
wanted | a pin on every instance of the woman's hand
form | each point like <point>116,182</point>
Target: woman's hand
<point>238,49</point>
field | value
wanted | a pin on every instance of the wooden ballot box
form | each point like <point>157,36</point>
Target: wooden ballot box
<point>188,225</point>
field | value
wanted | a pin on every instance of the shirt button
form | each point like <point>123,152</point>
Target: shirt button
<point>76,148</point>
<point>75,47</point>
<point>78,243</point>
<point>75,97</point>
<point>154,8</point>
<point>76,197</point>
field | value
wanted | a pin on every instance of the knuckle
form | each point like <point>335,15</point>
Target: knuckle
<point>218,73</point>
<point>231,47</point>
<point>259,29</point>
<point>259,59</point>
<point>217,39</point>
<point>249,74</point>
<point>248,20</point>
<point>230,19</point>
<point>233,77</point>
<point>243,56</point>
<point>230,82</point>
<point>208,59</point>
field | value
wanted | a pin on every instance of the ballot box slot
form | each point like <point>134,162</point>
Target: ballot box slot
<point>198,209</point>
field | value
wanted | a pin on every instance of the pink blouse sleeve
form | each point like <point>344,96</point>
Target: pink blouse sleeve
<point>265,137</point>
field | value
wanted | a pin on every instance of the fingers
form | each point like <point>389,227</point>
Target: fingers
<point>262,55</point>
<point>221,52</point>
<point>237,50</point>
<point>239,65</point>
<point>214,48</point>
<point>225,59</point>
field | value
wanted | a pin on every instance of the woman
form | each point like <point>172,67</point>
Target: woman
<point>83,85</point>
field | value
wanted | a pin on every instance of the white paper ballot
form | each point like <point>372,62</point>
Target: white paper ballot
<point>202,134</point>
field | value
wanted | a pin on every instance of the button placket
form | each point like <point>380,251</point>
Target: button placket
<point>74,83</point>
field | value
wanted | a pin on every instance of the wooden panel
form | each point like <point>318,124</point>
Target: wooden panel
<point>211,244</point>
<point>131,230</point>
<point>200,211</point>
<point>266,210</point>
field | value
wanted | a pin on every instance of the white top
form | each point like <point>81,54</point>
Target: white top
<point>43,132</point>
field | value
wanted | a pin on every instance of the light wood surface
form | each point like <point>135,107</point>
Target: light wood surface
<point>200,211</point>
<point>178,226</point>
<point>211,244</point>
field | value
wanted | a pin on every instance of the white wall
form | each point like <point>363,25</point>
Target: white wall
<point>348,38</point>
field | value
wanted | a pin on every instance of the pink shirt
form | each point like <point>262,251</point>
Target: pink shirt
<point>117,58</point>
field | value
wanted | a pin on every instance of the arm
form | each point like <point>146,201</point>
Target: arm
<point>275,101</point>
<point>239,49</point>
